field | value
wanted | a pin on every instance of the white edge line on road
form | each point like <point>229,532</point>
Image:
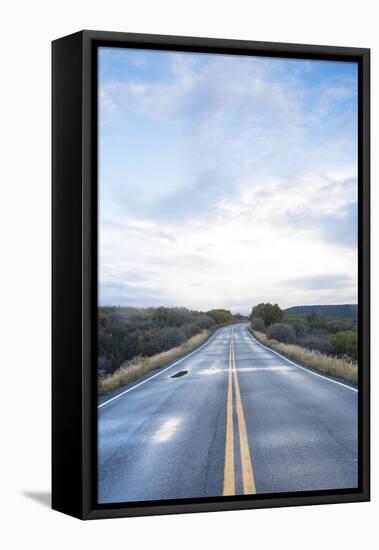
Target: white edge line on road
<point>299,366</point>
<point>160,372</point>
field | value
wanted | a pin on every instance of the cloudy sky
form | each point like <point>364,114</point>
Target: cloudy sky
<point>225,181</point>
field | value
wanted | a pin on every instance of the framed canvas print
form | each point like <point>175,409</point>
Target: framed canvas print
<point>210,274</point>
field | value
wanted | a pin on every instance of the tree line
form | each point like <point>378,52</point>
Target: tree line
<point>127,332</point>
<point>312,331</point>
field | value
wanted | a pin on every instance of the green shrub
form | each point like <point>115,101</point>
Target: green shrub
<point>340,326</point>
<point>220,316</point>
<point>346,343</point>
<point>270,313</point>
<point>316,321</point>
<point>317,342</point>
<point>282,333</point>
<point>298,322</point>
<point>257,323</point>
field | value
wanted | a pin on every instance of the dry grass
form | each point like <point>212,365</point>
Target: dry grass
<point>138,366</point>
<point>340,367</point>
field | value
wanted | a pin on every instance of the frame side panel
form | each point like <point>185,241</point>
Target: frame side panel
<point>365,277</point>
<point>67,275</point>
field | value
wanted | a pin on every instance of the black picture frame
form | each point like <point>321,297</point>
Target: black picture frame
<point>74,272</point>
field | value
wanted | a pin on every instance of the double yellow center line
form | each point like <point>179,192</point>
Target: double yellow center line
<point>246,464</point>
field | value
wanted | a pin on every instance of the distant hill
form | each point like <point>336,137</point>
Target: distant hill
<point>345,311</point>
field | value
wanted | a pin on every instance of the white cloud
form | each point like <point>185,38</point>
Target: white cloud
<point>247,196</point>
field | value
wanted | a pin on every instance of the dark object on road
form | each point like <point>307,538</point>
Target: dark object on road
<point>179,374</point>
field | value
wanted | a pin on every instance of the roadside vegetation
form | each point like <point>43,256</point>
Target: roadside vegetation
<point>328,345</point>
<point>133,341</point>
<point>138,366</point>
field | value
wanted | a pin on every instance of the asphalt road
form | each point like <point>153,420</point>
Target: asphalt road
<point>242,420</point>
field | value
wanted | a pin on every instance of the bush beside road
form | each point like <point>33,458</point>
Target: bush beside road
<point>339,367</point>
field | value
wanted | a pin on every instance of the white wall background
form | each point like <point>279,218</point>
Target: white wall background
<point>27,29</point>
